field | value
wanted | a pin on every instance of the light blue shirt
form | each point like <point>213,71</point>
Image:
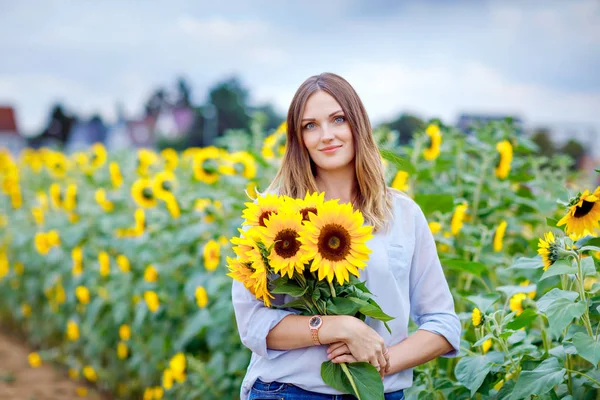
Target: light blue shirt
<point>406,277</point>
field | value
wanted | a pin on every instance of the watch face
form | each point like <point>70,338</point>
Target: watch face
<point>315,322</point>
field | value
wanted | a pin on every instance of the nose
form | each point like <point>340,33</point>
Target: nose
<point>327,133</point>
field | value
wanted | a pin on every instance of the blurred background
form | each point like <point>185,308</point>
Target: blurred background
<point>150,75</point>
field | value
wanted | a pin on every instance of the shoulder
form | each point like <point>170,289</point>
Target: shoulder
<point>401,202</point>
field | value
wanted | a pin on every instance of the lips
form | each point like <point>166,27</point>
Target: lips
<point>330,148</point>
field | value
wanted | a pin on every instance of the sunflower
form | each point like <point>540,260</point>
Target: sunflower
<point>282,232</point>
<point>308,205</point>
<point>212,255</point>
<point>435,141</point>
<point>145,158</point>
<point>115,175</point>
<point>98,157</point>
<point>516,303</point>
<point>70,197</point>
<point>243,163</point>
<point>57,164</point>
<point>548,248</point>
<point>499,236</point>
<point>256,213</point>
<point>170,158</point>
<point>434,227</point>
<point>142,193</point>
<point>506,155</point>
<point>201,297</point>
<point>140,220</point>
<point>206,164</point>
<point>38,215</point>
<point>275,142</point>
<point>56,195</point>
<point>163,184</point>
<point>335,239</point>
<point>252,276</point>
<point>400,181</point>
<point>486,346</point>
<point>173,206</point>
<point>584,214</point>
<point>458,218</point>
<point>245,243</point>
<point>476,317</point>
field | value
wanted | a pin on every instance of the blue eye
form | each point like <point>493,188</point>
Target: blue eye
<point>340,119</point>
<point>310,125</point>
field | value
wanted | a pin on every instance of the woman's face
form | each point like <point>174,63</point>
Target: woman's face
<point>326,133</point>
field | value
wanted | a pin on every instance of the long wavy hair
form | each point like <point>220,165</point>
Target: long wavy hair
<point>296,176</point>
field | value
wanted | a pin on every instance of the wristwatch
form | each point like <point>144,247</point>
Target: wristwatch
<point>314,324</point>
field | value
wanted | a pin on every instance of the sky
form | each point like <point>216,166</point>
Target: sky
<point>539,60</point>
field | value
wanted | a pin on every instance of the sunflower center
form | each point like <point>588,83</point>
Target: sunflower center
<point>286,244</point>
<point>239,168</point>
<point>210,166</point>
<point>147,193</point>
<point>305,212</point>
<point>167,185</point>
<point>334,242</point>
<point>265,215</point>
<point>584,210</point>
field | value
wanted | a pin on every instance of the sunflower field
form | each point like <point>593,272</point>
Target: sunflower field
<point>114,266</point>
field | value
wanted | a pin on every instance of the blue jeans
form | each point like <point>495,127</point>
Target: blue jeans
<point>287,391</point>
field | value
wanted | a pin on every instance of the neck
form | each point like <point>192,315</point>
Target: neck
<point>337,184</point>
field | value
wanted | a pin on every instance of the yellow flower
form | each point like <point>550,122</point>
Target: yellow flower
<point>201,204</point>
<point>58,164</point>
<point>77,254</point>
<point>53,238</point>
<point>435,141</point>
<point>548,248</point>
<point>115,175</point>
<point>142,193</point>
<point>123,263</point>
<point>122,350</point>
<point>499,236</point>
<point>70,197</point>
<point>150,274</point>
<point>151,299</point>
<point>256,213</point>
<point>83,294</point>
<point>275,141</point>
<point>171,158</point>
<point>125,332</point>
<point>212,255</point>
<point>38,215</point>
<point>243,163</point>
<point>499,384</point>
<point>201,297</point>
<point>145,159</point>
<point>140,219</point>
<point>41,243</point>
<point>158,393</point>
<point>434,227</point>
<point>104,260</point>
<point>72,330</point>
<point>56,195</point>
<point>583,216</point>
<point>167,379</point>
<point>506,155</point>
<point>306,206</point>
<point>531,294</point>
<point>34,360</point>
<point>283,231</point>
<point>163,184</point>
<point>26,310</point>
<point>81,391</point>
<point>100,197</point>
<point>589,281</point>
<point>251,189</point>
<point>177,367</point>
<point>335,239</point>
<point>476,317</point>
<point>254,278</point>
<point>206,164</point>
<point>89,373</point>
<point>516,302</point>
<point>486,346</point>
<point>173,206</point>
<point>98,157</point>
<point>458,217</point>
<point>401,181</point>
<point>73,373</point>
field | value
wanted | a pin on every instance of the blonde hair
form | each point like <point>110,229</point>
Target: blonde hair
<point>296,176</point>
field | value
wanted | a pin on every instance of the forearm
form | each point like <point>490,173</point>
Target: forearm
<point>417,349</point>
<point>293,332</point>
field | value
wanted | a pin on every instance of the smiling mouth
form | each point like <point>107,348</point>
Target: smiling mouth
<point>331,148</point>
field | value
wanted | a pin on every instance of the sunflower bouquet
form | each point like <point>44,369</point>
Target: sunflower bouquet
<point>310,250</point>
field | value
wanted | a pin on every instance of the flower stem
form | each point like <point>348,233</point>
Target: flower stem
<point>350,378</point>
<point>586,316</point>
<point>332,289</point>
<point>584,375</point>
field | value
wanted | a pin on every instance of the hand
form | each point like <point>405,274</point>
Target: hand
<point>365,344</point>
<point>340,353</point>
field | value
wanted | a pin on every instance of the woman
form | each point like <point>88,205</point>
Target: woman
<point>330,149</point>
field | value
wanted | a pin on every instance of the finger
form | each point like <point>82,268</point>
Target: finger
<point>382,361</point>
<point>338,352</point>
<point>334,346</point>
<point>345,358</point>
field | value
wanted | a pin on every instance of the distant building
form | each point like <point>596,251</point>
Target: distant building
<point>9,134</point>
<point>468,122</point>
<point>141,132</point>
<point>85,133</point>
<point>175,122</point>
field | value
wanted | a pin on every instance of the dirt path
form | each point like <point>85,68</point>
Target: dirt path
<point>19,381</point>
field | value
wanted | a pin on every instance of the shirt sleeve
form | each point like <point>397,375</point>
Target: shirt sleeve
<point>255,320</point>
<point>431,303</point>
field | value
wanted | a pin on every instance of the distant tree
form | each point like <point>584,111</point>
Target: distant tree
<point>541,137</point>
<point>230,100</point>
<point>272,118</point>
<point>406,125</point>
<point>183,93</point>
<point>156,102</point>
<point>59,125</point>
<point>574,149</point>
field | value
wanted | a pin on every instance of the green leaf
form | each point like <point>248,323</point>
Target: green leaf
<point>587,347</point>
<point>523,319</point>
<point>297,304</point>
<point>588,266</point>
<point>539,381</point>
<point>551,222</point>
<point>366,379</point>
<point>513,289</point>
<point>484,302</point>
<point>429,203</point>
<point>192,327</point>
<point>472,370</point>
<point>471,267</point>
<point>284,286</point>
<point>560,267</point>
<point>590,248</point>
<point>342,306</point>
<point>374,311</point>
<point>527,263</point>
<point>560,308</point>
